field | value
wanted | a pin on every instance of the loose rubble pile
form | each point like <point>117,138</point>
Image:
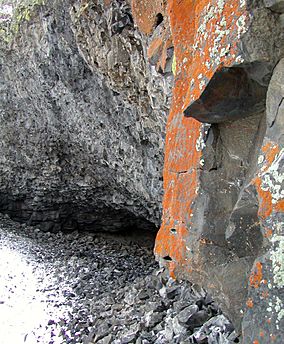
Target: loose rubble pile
<point>104,289</point>
<point>157,309</point>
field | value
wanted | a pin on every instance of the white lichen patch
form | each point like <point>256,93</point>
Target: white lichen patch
<point>260,159</point>
<point>225,51</point>
<point>221,5</point>
<point>273,178</point>
<point>239,59</point>
<point>200,143</point>
<point>202,85</point>
<point>241,25</point>
<point>275,306</point>
<point>277,259</point>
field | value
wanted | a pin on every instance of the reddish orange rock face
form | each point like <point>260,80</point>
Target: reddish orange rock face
<point>147,13</point>
<point>203,35</point>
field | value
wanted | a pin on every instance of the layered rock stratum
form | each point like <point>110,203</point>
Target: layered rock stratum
<point>87,88</point>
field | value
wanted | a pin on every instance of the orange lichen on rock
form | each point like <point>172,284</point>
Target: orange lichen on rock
<point>270,151</point>
<point>146,13</point>
<point>249,303</point>
<point>266,206</point>
<point>256,276</point>
<point>279,207</point>
<point>155,47</point>
<point>202,33</point>
<point>267,232</point>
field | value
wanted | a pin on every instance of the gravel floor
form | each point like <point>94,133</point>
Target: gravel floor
<point>50,283</point>
<point>93,288</point>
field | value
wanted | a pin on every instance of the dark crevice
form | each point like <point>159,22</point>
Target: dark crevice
<point>69,217</point>
<point>159,19</point>
<point>167,258</point>
<point>280,104</point>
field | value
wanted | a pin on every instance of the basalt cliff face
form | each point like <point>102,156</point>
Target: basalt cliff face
<point>83,118</point>
<point>87,87</point>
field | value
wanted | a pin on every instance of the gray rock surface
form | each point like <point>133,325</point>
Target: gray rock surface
<point>275,5</point>
<point>82,120</point>
<point>266,287</point>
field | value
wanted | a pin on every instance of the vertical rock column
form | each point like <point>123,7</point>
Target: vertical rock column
<point>205,36</point>
<point>265,309</point>
<point>213,228</point>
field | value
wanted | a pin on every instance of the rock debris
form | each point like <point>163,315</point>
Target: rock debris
<point>97,288</point>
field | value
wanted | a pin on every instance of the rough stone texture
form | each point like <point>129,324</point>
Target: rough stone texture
<point>212,231</point>
<point>266,288</point>
<point>95,117</point>
<point>275,5</point>
<point>82,120</point>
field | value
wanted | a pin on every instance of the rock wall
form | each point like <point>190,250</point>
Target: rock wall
<point>223,176</point>
<point>86,89</point>
<point>83,118</point>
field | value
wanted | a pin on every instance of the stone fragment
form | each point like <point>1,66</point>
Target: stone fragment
<point>275,5</point>
<point>105,340</point>
<point>128,338</point>
<point>143,295</point>
<point>172,291</point>
<point>178,328</point>
<point>153,318</point>
<point>185,315</point>
<point>216,104</point>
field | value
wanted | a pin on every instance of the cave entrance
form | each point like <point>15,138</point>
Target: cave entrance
<point>69,217</point>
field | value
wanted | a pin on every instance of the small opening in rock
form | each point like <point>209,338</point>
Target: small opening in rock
<point>168,258</point>
<point>173,231</point>
<point>159,19</point>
